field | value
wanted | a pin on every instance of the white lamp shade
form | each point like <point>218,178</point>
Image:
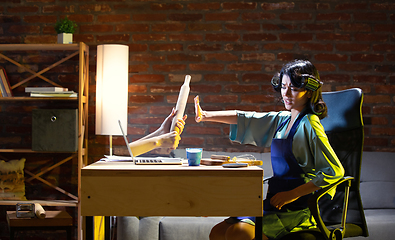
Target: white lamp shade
<point>112,77</point>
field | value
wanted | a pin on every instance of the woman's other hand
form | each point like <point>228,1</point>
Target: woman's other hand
<point>198,110</point>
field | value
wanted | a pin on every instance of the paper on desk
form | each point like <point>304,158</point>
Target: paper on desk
<point>114,158</point>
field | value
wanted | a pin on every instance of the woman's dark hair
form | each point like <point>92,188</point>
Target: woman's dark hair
<point>303,74</point>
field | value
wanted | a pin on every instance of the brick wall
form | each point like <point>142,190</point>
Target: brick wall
<point>231,49</point>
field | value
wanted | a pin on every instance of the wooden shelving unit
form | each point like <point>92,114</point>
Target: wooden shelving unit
<point>71,50</point>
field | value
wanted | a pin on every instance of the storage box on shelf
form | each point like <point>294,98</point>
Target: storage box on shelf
<point>7,53</point>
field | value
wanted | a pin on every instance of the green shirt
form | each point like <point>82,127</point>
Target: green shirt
<point>310,145</point>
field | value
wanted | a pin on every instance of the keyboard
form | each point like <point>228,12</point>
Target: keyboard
<point>144,160</point>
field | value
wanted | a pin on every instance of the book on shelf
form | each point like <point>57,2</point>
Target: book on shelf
<point>65,94</point>
<point>46,89</point>
<point>5,86</point>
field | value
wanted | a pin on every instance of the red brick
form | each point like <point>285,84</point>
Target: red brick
<point>164,89</point>
<point>325,67</point>
<point>204,47</point>
<point>220,99</point>
<point>241,47</point>
<point>257,77</point>
<point>204,6</point>
<point>38,59</point>
<point>227,16</point>
<point>241,88</point>
<point>243,26</point>
<point>384,47</point>
<point>377,99</point>
<point>333,17</point>
<point>23,29</point>
<point>181,57</point>
<point>354,67</point>
<point>374,141</point>
<point>132,28</point>
<point>146,98</point>
<point>186,37</point>
<point>137,47</point>
<point>296,37</point>
<point>9,19</point>
<point>295,16</point>
<point>58,8</point>
<point>315,6</point>
<point>113,18</point>
<point>331,57</point>
<point>389,69</point>
<point>95,28</point>
<point>278,6</point>
<point>352,47</point>
<point>278,46</point>
<point>316,47</point>
<point>95,8</point>
<point>258,57</point>
<point>169,67</point>
<point>351,6</point>
<point>198,130</point>
<point>40,39</point>
<point>206,67</point>
<point>382,131</point>
<point>226,57</point>
<point>239,5</point>
<point>168,27</point>
<point>166,6</point>
<point>149,37</point>
<point>81,17</point>
<point>370,79</point>
<point>185,17</point>
<point>384,28</point>
<point>285,57</point>
<point>355,27</point>
<point>222,37</point>
<point>367,58</point>
<point>244,67</point>
<point>207,27</point>
<point>39,19</point>
<point>221,77</point>
<point>147,78</point>
<point>149,17</point>
<point>257,98</point>
<point>113,38</point>
<point>323,27</point>
<point>333,37</point>
<point>372,16</point>
<point>256,16</point>
<point>138,68</point>
<point>23,9</point>
<point>389,89</point>
<point>166,47</point>
<point>259,37</point>
<point>192,141</point>
<point>383,6</point>
<point>199,89</point>
<point>137,89</point>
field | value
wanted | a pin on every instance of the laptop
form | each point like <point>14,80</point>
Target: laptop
<point>145,160</point>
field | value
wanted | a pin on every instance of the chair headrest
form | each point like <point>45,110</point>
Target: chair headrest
<point>344,110</point>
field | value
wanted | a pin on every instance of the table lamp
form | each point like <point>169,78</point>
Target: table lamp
<point>112,75</point>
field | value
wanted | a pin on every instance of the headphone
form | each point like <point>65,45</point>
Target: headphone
<point>308,81</point>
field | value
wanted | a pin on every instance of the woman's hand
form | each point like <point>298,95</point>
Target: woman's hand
<point>282,198</point>
<point>198,110</point>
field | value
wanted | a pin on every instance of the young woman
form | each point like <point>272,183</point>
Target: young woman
<point>302,159</point>
<point>161,138</point>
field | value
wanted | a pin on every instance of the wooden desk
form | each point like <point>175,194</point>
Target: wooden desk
<point>125,189</point>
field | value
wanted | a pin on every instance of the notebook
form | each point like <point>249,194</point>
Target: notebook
<point>142,160</point>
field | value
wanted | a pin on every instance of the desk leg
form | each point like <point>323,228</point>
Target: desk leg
<point>89,229</point>
<point>107,227</point>
<point>258,228</point>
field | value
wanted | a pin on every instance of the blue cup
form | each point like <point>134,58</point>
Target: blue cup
<point>194,155</point>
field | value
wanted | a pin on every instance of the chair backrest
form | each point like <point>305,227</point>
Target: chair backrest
<point>344,128</point>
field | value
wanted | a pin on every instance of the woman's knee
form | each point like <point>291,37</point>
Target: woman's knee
<point>240,231</point>
<point>219,230</point>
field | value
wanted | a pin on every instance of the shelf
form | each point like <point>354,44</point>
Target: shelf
<point>39,47</point>
<point>26,151</point>
<point>38,98</point>
<point>53,203</point>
